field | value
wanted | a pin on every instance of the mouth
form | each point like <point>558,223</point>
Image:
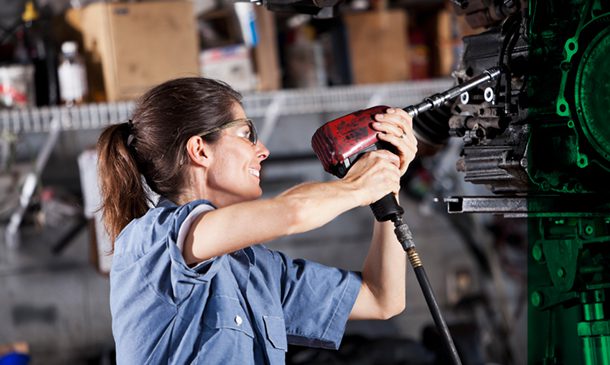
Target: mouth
<point>254,172</point>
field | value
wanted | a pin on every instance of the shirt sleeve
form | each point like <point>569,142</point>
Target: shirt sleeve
<point>317,301</point>
<point>181,221</point>
<point>159,262</point>
<point>186,226</point>
<point>188,221</point>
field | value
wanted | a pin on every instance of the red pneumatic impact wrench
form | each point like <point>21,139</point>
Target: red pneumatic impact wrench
<point>340,142</point>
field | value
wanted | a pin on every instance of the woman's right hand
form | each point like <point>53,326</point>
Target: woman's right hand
<point>374,175</point>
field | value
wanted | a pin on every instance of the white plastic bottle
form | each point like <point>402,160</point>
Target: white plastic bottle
<point>72,75</point>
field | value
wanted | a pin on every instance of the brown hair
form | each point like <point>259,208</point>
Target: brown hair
<point>151,145</point>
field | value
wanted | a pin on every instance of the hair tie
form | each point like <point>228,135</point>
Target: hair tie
<point>129,133</point>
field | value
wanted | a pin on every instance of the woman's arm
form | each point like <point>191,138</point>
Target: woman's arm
<point>383,291</point>
<point>300,209</point>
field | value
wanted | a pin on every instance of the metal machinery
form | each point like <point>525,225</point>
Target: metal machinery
<point>540,139</point>
<point>570,158</point>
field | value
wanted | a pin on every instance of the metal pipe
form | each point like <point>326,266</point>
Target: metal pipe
<point>436,100</point>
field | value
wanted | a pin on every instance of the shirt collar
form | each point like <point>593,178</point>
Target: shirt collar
<point>166,203</point>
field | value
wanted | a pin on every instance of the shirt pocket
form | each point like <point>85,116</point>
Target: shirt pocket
<point>225,312</point>
<point>276,332</point>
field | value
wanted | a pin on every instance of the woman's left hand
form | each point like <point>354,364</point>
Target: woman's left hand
<point>396,127</point>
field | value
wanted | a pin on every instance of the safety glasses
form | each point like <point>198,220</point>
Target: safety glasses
<point>252,136</point>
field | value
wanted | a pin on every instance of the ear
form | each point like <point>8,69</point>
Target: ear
<point>198,151</point>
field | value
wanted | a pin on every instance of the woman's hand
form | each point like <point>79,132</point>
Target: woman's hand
<point>396,127</point>
<point>374,175</point>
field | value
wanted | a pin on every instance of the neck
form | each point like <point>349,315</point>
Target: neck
<point>194,188</point>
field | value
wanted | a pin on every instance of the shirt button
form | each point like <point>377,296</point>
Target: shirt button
<point>238,320</point>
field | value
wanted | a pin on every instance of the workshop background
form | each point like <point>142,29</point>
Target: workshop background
<point>70,68</point>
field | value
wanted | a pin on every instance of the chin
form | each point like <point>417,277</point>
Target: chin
<point>253,195</point>
<point>257,194</point>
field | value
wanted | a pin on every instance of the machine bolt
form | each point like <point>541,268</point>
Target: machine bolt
<point>537,299</point>
<point>571,45</point>
<point>583,161</point>
<point>589,229</point>
<point>464,97</point>
<point>537,252</point>
<point>561,272</point>
<point>489,95</point>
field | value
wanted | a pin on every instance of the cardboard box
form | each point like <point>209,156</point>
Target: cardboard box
<point>266,51</point>
<point>257,32</point>
<point>378,45</point>
<point>100,245</point>
<point>449,30</point>
<point>138,45</point>
<point>230,64</point>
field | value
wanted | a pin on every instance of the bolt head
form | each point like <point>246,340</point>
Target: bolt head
<point>537,299</point>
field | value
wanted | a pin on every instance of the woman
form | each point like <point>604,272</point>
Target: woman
<point>189,282</point>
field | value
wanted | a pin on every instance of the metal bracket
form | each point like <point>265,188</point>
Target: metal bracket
<point>30,183</point>
<point>532,206</point>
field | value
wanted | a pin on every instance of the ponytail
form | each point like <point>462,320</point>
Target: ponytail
<point>124,196</point>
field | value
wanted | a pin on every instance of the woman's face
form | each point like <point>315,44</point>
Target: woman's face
<point>234,172</point>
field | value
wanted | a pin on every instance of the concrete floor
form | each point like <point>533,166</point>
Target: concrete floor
<point>57,303</point>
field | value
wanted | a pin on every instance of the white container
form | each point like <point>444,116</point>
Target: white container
<point>17,86</point>
<point>72,75</point>
<point>230,64</point>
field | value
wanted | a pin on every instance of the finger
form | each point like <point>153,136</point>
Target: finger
<point>402,123</point>
<point>409,136</point>
<point>406,149</point>
<point>387,155</point>
<point>389,173</point>
<point>378,158</point>
<point>402,143</point>
<point>411,139</point>
<point>394,118</point>
<point>388,128</point>
<point>404,115</point>
<point>394,180</point>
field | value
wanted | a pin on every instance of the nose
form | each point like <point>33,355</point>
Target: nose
<point>261,151</point>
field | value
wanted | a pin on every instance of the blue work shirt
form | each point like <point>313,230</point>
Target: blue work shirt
<point>239,308</point>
